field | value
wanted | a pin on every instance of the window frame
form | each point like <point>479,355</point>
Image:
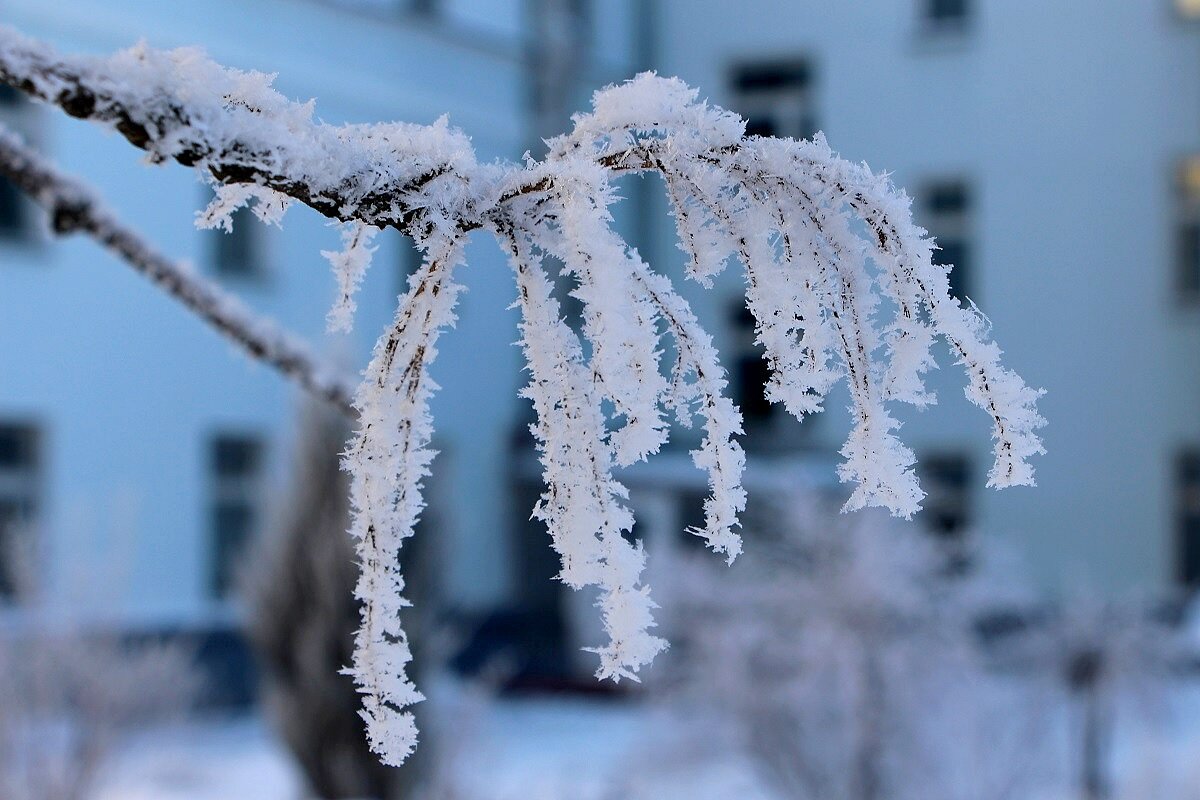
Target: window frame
<point>960,492</point>
<point>226,490</point>
<point>21,485</point>
<point>1185,203</point>
<point>1185,500</point>
<point>929,25</point>
<point>18,113</point>
<point>958,227</point>
<point>788,98</point>
<point>251,269</point>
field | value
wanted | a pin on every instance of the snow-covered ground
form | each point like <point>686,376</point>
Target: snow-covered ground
<point>225,759</point>
<point>554,749</point>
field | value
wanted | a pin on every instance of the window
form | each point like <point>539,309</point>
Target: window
<point>411,260</point>
<point>14,213</point>
<point>750,371</point>
<point>240,253</point>
<point>946,479</point>
<point>776,98</point>
<point>10,97</point>
<point>19,470</point>
<point>1187,249</point>
<point>945,211</point>
<point>236,466</point>
<point>941,15</point>
<point>15,217</point>
<point>1187,488</point>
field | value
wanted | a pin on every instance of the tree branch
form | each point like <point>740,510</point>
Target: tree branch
<point>74,208</point>
<point>235,135</point>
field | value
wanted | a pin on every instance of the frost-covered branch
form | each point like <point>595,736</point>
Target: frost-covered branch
<point>839,279</point>
<point>74,208</point>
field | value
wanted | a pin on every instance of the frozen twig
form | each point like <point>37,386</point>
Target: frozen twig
<point>74,208</point>
<point>827,246</point>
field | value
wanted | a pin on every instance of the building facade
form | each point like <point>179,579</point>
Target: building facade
<point>137,447</point>
<point>1053,150</point>
<point>1050,149</point>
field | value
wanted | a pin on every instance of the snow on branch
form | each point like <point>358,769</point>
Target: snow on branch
<point>73,208</point>
<point>840,281</point>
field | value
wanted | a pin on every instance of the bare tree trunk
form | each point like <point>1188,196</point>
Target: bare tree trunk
<point>302,621</point>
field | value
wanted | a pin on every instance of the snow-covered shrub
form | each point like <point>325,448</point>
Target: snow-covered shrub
<point>844,660</point>
<point>71,688</point>
<point>1102,656</point>
<point>841,282</point>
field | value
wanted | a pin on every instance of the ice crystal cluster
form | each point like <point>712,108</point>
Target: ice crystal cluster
<point>839,279</point>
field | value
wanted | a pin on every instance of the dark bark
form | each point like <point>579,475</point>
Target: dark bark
<point>302,618</point>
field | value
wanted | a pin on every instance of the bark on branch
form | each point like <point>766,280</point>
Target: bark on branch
<point>170,126</point>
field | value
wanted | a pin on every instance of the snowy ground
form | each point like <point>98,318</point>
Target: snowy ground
<point>554,749</point>
<point>203,760</point>
<point>532,749</point>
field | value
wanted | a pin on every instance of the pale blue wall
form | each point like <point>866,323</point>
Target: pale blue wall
<point>1069,118</point>
<point>128,386</point>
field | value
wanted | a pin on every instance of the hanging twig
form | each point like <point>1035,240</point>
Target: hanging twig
<point>74,208</point>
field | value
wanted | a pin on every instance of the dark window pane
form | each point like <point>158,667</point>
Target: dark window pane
<point>18,447</point>
<point>15,514</point>
<point>1187,476</point>
<point>947,198</point>
<point>808,128</point>
<point>946,478</point>
<point>741,316</point>
<point>955,252</point>
<point>752,374</point>
<point>235,456</point>
<point>691,515</point>
<point>10,96</point>
<point>233,523</point>
<point>760,126</point>
<point>776,98</point>
<point>8,570</point>
<point>239,253</point>
<point>14,215</point>
<point>947,10</point>
<point>1189,469</point>
<point>410,262</point>
<point>945,210</point>
<point>771,77</point>
<point>1188,270</point>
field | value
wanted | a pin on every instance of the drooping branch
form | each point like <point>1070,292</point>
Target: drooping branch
<point>828,248</point>
<point>583,505</point>
<point>388,459</point>
<point>74,208</point>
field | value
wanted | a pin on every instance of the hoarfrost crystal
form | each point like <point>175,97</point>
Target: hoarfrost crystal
<point>840,281</point>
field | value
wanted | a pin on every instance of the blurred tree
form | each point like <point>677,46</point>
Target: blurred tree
<point>71,689</point>
<point>302,614</point>
<point>843,658</point>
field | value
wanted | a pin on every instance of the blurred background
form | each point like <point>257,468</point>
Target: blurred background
<point>171,512</point>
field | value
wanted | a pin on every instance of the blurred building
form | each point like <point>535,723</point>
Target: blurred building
<point>143,448</point>
<point>1053,149</point>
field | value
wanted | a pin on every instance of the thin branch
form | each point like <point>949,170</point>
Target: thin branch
<point>172,123</point>
<point>74,208</point>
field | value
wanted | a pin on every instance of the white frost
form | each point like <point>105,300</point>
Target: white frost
<point>839,279</point>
